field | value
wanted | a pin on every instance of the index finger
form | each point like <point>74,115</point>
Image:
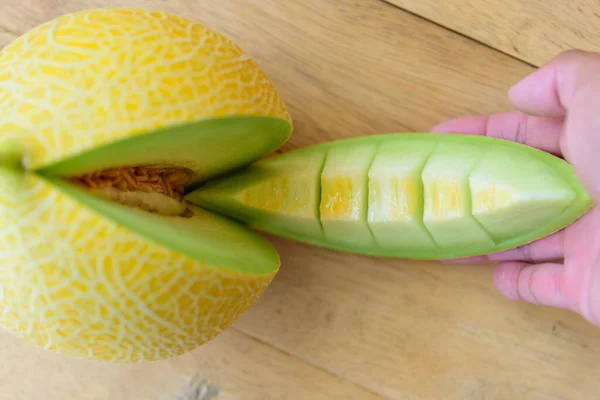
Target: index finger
<point>539,132</point>
<point>549,90</point>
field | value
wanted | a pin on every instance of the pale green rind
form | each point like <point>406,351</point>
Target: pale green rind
<point>395,213</point>
<point>277,193</point>
<point>205,237</point>
<point>346,167</point>
<point>578,207</point>
<point>209,147</point>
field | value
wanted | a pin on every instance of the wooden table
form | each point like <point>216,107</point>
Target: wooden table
<point>335,326</point>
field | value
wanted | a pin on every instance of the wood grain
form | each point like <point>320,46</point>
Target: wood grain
<point>237,366</point>
<point>530,30</point>
<point>405,330</point>
<point>422,330</point>
<point>6,36</point>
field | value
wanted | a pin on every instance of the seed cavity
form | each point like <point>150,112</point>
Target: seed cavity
<point>154,188</point>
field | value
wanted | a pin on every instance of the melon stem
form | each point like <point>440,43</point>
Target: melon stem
<point>12,161</point>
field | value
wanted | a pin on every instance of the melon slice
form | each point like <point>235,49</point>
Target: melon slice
<point>396,196</point>
<point>206,148</point>
<point>411,195</point>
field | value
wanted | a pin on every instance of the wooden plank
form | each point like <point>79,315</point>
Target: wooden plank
<point>235,367</point>
<point>422,330</point>
<point>402,329</point>
<point>6,37</point>
<point>532,30</point>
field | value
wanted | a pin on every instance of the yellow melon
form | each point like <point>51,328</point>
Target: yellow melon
<point>107,117</point>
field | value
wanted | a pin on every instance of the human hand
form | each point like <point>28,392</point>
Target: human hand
<point>558,111</point>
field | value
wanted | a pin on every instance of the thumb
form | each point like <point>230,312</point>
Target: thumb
<point>569,86</point>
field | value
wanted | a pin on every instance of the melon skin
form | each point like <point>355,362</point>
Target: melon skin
<point>430,196</point>
<point>94,77</point>
<point>85,285</point>
<point>110,88</point>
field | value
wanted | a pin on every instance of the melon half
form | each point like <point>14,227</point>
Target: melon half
<point>107,118</point>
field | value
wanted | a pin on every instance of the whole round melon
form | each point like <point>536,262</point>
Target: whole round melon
<point>108,117</point>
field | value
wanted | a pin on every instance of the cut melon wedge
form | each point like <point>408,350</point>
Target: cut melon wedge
<point>208,147</point>
<point>418,196</point>
<point>202,236</point>
<point>86,276</point>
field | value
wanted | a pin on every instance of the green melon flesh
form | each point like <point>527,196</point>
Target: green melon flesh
<point>395,192</point>
<point>277,194</point>
<point>419,196</point>
<point>209,148</point>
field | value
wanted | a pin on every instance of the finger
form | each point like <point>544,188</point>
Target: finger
<point>550,89</point>
<point>549,248</point>
<point>539,132</point>
<point>541,284</point>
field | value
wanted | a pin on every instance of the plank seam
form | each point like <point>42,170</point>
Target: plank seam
<point>9,32</point>
<point>447,28</point>
<point>320,368</point>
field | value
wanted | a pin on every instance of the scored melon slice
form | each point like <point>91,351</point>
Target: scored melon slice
<point>414,195</point>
